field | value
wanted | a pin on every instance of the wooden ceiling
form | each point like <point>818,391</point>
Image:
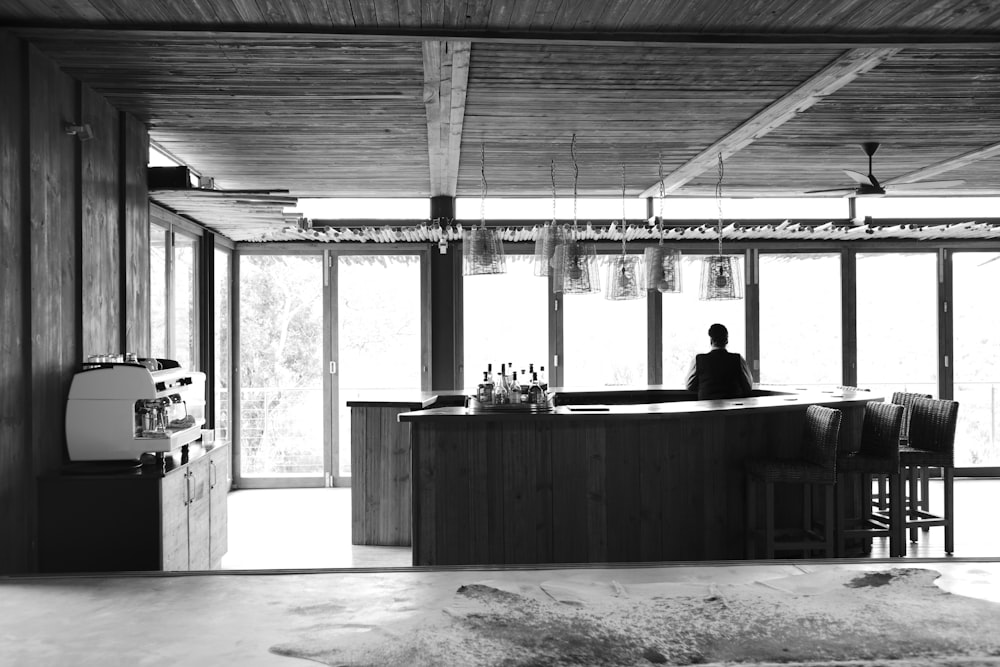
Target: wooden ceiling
<point>397,98</point>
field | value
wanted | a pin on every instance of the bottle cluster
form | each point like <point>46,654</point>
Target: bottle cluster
<point>506,387</point>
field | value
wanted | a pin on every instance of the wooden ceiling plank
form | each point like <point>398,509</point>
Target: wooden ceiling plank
<point>831,78</point>
<point>957,162</point>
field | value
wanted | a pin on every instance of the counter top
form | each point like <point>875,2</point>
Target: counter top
<point>411,398</point>
<point>648,404</point>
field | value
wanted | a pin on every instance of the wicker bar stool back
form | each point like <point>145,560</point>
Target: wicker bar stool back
<point>878,455</point>
<point>931,445</point>
<point>817,466</point>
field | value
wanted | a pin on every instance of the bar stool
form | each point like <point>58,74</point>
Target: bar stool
<point>931,445</point>
<point>906,400</point>
<point>878,454</point>
<point>816,467</point>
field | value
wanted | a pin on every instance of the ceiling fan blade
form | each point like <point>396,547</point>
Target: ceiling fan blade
<point>813,192</point>
<point>858,177</point>
<point>923,185</point>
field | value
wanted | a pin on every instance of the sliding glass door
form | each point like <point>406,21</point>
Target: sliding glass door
<point>281,440</point>
<point>379,337</point>
<point>317,329</point>
<point>977,365</point>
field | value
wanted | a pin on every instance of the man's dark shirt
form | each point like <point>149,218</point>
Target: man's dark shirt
<point>719,374</point>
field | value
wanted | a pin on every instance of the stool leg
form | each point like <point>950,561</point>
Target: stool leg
<point>828,523</point>
<point>841,502</point>
<point>769,520</point>
<point>881,495</point>
<point>925,496</point>
<point>949,513</point>
<point>751,518</point>
<point>897,532</point>
<point>807,516</point>
<point>914,501</point>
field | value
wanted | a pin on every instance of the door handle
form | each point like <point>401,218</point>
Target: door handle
<point>333,368</point>
<point>213,476</point>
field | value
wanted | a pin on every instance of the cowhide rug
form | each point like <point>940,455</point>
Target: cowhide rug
<point>834,617</point>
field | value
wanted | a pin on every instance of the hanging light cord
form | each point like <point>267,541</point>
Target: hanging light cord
<point>659,171</point>
<point>624,224</point>
<point>552,174</point>
<point>718,199</point>
<point>576,177</point>
<point>482,172</point>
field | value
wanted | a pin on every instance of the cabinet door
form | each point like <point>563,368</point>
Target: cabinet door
<point>220,474</point>
<point>198,515</point>
<point>174,520</point>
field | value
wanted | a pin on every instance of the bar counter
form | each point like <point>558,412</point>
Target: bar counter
<point>609,476</point>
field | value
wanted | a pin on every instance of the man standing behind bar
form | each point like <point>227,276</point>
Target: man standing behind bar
<point>719,374</point>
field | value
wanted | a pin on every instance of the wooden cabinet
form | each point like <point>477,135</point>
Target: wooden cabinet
<point>137,521</point>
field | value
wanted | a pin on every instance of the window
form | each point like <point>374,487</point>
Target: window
<point>897,322</point>
<point>221,330</point>
<point>686,320</point>
<point>505,319</point>
<point>800,319</point>
<point>158,297</point>
<point>173,279</point>
<point>378,333</point>
<point>977,366</point>
<point>604,342</point>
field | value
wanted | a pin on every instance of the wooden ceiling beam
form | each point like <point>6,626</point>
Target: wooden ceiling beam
<point>845,69</point>
<point>968,40</point>
<point>957,162</point>
<point>446,80</point>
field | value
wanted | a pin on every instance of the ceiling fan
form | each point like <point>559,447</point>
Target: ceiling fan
<point>869,186</point>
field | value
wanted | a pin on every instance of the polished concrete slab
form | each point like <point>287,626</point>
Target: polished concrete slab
<point>236,618</point>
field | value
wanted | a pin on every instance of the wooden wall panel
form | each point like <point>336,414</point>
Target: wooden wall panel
<point>16,510</point>
<point>135,263</point>
<point>100,247</point>
<point>54,231</point>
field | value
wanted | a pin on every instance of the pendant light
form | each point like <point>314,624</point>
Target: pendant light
<point>549,235</point>
<point>575,262</point>
<point>626,278</point>
<point>663,264</point>
<point>482,248</point>
<point>720,274</point>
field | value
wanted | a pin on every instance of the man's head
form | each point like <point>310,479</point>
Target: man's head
<point>719,335</point>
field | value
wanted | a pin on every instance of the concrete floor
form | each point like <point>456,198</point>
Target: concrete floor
<point>232,618</point>
<point>311,528</point>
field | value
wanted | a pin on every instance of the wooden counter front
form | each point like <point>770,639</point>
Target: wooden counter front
<point>599,483</point>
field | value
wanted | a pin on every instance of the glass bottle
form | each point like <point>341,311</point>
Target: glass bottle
<point>535,394</point>
<point>514,388</point>
<point>543,379</point>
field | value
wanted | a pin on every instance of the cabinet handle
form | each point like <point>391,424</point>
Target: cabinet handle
<point>212,475</point>
<point>187,488</point>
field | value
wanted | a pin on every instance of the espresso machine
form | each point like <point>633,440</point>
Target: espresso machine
<point>120,411</point>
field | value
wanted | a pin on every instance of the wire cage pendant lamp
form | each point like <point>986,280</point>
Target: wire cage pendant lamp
<point>482,248</point>
<point>626,277</point>
<point>549,236</point>
<point>575,262</point>
<point>720,274</point>
<point>663,264</point>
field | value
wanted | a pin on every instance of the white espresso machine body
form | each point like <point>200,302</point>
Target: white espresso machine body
<point>102,411</point>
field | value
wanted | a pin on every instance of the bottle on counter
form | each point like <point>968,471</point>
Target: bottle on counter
<point>535,394</point>
<point>543,379</point>
<point>484,392</point>
<point>501,393</point>
<point>514,388</point>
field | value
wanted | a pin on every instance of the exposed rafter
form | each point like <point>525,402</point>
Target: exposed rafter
<point>957,162</point>
<point>831,78</point>
<point>446,79</point>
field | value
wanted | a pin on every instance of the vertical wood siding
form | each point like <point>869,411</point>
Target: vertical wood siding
<point>101,299</point>
<point>15,454</point>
